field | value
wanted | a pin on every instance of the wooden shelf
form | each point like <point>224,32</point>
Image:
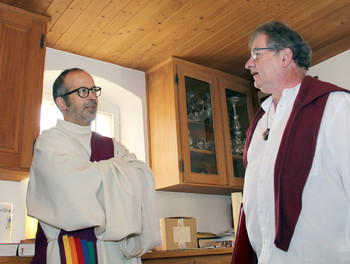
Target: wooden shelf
<point>13,175</point>
<point>202,151</point>
<point>189,256</point>
<point>186,253</point>
<point>15,260</point>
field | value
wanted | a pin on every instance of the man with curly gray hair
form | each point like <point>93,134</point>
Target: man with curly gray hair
<point>297,184</point>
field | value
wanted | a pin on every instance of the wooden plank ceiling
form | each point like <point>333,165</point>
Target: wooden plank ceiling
<point>139,34</point>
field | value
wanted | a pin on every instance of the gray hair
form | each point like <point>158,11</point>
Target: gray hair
<point>280,36</point>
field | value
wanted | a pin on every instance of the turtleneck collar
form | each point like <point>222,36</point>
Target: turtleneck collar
<point>74,128</point>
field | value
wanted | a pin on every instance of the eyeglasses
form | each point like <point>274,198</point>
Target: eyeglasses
<point>83,92</point>
<point>254,55</point>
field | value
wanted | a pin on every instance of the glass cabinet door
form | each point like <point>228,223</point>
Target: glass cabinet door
<point>200,126</point>
<point>202,146</point>
<point>238,124</point>
<point>237,108</point>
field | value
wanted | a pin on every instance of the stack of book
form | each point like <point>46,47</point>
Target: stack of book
<point>25,248</point>
<point>210,240</point>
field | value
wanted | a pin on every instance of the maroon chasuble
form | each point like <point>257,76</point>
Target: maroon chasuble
<point>292,166</point>
<point>101,149</point>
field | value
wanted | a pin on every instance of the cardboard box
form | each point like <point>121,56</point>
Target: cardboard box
<point>178,233</point>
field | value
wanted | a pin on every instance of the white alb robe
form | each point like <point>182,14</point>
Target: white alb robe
<point>116,196</point>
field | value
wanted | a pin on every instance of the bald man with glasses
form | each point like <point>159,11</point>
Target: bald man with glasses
<point>95,201</point>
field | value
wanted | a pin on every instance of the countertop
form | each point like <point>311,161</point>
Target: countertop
<point>148,255</point>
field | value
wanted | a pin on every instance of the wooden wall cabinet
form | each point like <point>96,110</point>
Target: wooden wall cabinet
<point>22,57</point>
<point>192,135</point>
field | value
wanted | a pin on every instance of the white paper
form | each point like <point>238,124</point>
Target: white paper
<point>182,234</point>
<point>5,222</point>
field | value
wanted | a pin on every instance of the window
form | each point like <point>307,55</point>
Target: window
<point>50,113</point>
<point>103,124</point>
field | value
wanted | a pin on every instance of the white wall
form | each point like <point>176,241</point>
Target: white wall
<point>15,193</point>
<point>212,212</point>
<point>335,70</point>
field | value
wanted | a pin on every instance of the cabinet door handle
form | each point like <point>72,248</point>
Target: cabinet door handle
<point>34,145</point>
<point>182,166</point>
<point>42,40</point>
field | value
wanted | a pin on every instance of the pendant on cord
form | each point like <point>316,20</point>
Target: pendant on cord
<point>266,134</point>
